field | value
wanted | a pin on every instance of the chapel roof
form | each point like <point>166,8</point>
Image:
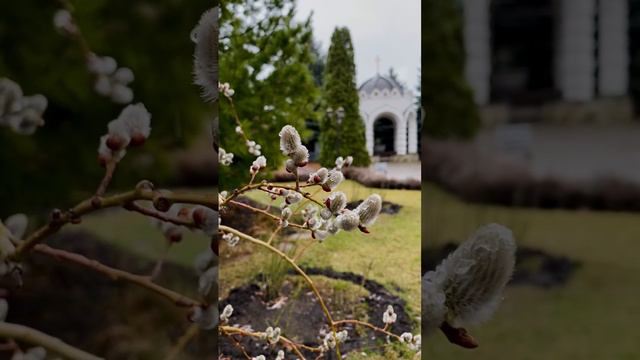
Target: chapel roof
<point>380,82</point>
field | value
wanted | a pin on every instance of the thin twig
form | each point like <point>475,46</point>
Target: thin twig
<point>117,274</point>
<point>108,175</point>
<point>95,203</point>
<point>265,212</point>
<point>35,337</point>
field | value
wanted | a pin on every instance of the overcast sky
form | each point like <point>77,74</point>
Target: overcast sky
<point>384,28</point>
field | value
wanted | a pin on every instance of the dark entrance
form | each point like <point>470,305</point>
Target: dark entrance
<point>383,136</point>
<point>522,51</point>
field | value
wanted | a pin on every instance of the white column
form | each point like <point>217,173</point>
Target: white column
<point>575,63</point>
<point>477,45</point>
<point>368,123</point>
<point>413,134</point>
<point>613,53</point>
<point>401,135</point>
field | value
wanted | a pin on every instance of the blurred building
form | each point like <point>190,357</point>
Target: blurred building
<point>389,112</point>
<point>550,61</point>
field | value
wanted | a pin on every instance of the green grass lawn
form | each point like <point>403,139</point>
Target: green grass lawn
<point>389,254</point>
<point>595,316</point>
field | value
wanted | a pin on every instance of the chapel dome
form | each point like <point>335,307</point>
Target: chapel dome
<point>380,83</point>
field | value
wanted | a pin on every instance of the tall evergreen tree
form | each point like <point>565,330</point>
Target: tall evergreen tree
<point>449,107</point>
<point>265,55</point>
<point>346,137</point>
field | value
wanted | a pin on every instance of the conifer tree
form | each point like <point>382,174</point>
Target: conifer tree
<point>346,137</point>
<point>448,101</point>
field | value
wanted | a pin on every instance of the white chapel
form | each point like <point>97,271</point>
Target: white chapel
<point>388,110</point>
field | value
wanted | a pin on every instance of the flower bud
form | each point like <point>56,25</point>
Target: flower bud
<point>226,313</point>
<point>290,166</point>
<point>348,161</point>
<point>289,140</point>
<point>17,225</point>
<point>333,228</point>
<point>466,288</point>
<point>319,176</point>
<point>336,202</point>
<point>325,214</point>
<point>300,156</point>
<point>205,219</point>
<point>286,213</point>
<point>121,94</point>
<point>348,220</point>
<point>136,119</point>
<point>389,316</point>
<point>119,136</point>
<point>272,335</point>
<point>231,239</point>
<point>369,209</point>
<point>124,75</point>
<point>334,178</point>
<point>293,197</point>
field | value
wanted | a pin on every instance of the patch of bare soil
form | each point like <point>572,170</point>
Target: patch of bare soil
<point>302,317</point>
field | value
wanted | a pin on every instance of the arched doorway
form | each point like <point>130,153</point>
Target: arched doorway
<point>384,137</point>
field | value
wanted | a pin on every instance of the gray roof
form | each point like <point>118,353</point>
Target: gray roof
<point>380,83</point>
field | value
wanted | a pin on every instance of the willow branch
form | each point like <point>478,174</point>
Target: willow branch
<point>306,277</point>
<point>160,199</point>
<point>35,337</point>
<point>117,274</point>
<point>158,215</point>
<point>232,330</point>
<point>265,212</point>
<point>370,326</point>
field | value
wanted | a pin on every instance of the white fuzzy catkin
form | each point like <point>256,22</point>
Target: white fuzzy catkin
<point>205,64</point>
<point>336,201</point>
<point>226,313</point>
<point>17,225</point>
<point>23,114</point>
<point>136,119</point>
<point>369,209</point>
<point>466,288</point>
<point>334,178</point>
<point>319,176</point>
<point>289,140</point>
<point>300,156</point>
<point>348,220</point>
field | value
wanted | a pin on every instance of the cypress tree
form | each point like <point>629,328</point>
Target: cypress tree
<point>449,107</point>
<point>339,90</point>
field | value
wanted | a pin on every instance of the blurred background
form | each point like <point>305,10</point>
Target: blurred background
<point>57,166</point>
<point>532,121</point>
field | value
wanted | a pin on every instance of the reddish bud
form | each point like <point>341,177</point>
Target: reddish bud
<point>137,139</point>
<point>199,216</point>
<point>116,143</point>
